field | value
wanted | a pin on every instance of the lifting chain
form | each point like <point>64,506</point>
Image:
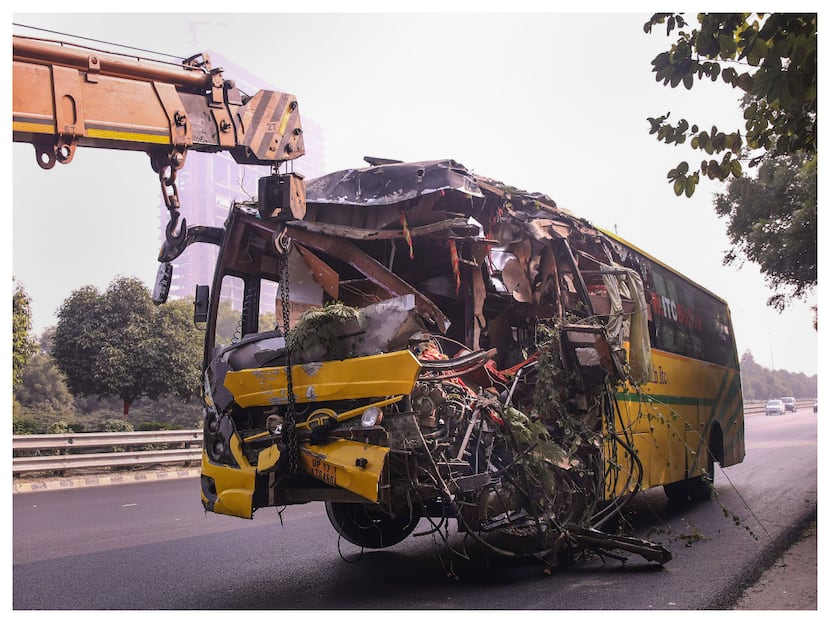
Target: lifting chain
<point>289,430</point>
<point>167,167</point>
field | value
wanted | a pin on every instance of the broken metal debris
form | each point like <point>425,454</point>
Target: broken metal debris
<point>517,313</point>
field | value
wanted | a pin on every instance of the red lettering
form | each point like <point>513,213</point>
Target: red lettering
<point>655,304</point>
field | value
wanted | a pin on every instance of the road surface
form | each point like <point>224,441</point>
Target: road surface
<point>150,546</point>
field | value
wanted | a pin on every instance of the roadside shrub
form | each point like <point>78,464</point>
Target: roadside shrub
<point>59,428</point>
<point>115,425</point>
<point>24,426</point>
<point>154,425</point>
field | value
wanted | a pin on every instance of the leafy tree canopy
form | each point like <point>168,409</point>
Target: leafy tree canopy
<point>42,385</point>
<point>771,59</point>
<point>119,344</point>
<point>773,222</point>
<point>760,383</point>
<point>23,346</point>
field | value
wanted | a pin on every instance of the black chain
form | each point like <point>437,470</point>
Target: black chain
<point>289,430</point>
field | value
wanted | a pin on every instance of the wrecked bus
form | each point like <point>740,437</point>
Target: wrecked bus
<point>412,342</point>
<point>449,348</point>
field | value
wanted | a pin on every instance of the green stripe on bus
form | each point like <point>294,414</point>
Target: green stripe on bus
<point>734,401</point>
<point>664,399</point>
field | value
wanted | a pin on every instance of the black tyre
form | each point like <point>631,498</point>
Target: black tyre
<point>700,487</point>
<point>676,491</point>
<point>366,525</point>
<point>574,494</point>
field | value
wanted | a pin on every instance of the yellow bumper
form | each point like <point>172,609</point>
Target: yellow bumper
<point>387,374</point>
<point>350,465</point>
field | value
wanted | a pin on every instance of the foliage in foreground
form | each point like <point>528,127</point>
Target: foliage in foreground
<point>772,60</point>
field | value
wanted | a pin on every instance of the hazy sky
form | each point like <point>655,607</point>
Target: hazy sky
<point>552,102</point>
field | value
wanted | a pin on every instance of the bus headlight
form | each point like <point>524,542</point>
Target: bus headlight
<point>371,417</point>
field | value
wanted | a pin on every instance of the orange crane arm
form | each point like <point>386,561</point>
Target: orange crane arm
<point>65,96</point>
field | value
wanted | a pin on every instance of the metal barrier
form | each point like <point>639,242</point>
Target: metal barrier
<point>755,408</point>
<point>61,453</point>
<point>65,457</point>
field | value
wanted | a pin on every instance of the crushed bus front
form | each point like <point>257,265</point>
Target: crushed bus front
<point>419,342</point>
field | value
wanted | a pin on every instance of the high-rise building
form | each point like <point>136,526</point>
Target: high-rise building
<point>208,184</point>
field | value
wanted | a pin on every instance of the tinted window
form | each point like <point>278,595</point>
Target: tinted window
<point>685,319</point>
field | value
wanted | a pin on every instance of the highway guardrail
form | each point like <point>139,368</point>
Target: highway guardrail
<point>73,451</point>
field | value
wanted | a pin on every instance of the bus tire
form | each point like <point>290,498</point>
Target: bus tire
<point>366,525</point>
<point>676,491</point>
<point>700,487</point>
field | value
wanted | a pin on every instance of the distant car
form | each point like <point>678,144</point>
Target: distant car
<point>789,404</point>
<point>775,407</point>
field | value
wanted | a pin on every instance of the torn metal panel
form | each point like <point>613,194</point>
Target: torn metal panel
<point>325,276</point>
<point>455,227</point>
<point>391,183</point>
<point>305,287</point>
<point>372,269</point>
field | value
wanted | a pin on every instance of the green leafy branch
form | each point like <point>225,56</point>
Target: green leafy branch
<point>779,86</point>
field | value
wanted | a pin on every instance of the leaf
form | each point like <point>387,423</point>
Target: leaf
<point>727,45</point>
<point>745,82</point>
<point>679,186</point>
<point>691,183</point>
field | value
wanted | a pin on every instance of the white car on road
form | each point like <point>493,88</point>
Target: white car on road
<point>775,407</point>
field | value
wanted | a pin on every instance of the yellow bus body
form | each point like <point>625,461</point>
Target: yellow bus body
<point>671,420</point>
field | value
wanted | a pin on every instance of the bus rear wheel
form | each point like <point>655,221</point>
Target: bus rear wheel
<point>698,488</point>
<point>366,525</point>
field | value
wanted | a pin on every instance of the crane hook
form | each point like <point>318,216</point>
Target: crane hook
<point>174,232</point>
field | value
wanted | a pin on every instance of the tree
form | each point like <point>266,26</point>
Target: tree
<point>176,347</point>
<point>773,222</point>
<point>771,58</point>
<point>119,344</point>
<point>46,339</point>
<point>23,346</point>
<point>759,383</point>
<point>227,323</point>
<point>228,327</point>
<point>42,385</point>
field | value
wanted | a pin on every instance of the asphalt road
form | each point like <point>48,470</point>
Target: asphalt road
<point>150,546</point>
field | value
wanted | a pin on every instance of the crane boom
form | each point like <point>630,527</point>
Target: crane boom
<point>66,96</point>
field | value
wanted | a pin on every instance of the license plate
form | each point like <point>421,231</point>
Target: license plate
<point>323,471</point>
